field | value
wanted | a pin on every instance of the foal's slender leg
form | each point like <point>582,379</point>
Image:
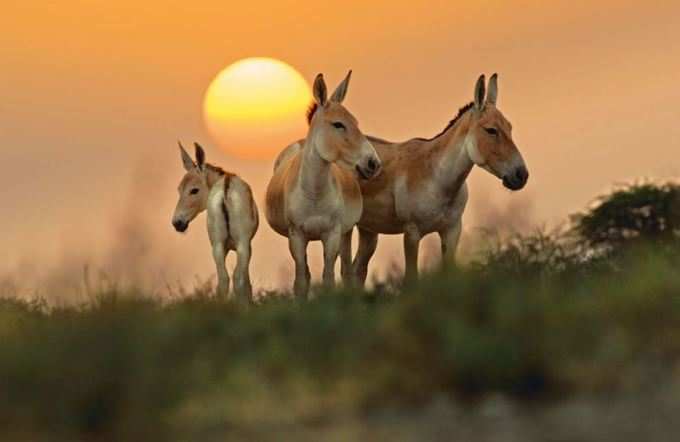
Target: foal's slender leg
<point>242,285</point>
<point>297,243</point>
<point>331,248</point>
<point>449,239</point>
<point>368,241</point>
<point>219,255</point>
<point>346,258</point>
<point>412,238</point>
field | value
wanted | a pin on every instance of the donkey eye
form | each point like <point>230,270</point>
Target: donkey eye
<point>338,125</point>
<point>194,191</point>
<point>491,131</point>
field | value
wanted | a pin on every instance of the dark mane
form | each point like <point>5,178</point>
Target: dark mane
<point>373,139</point>
<point>215,169</point>
<point>455,120</point>
<point>311,110</point>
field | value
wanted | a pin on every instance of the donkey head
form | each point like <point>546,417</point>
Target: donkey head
<point>193,189</point>
<point>489,141</point>
<point>335,132</point>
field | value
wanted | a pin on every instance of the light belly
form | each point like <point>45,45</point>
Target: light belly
<point>317,220</point>
<point>429,212</point>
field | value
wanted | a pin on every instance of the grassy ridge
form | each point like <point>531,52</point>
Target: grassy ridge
<point>544,319</point>
<point>126,367</point>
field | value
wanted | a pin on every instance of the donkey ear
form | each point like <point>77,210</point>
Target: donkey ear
<point>320,92</point>
<point>480,91</point>
<point>200,156</point>
<point>493,90</point>
<point>340,92</point>
<point>188,163</point>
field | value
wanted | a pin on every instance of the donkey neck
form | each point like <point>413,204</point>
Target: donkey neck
<point>452,163</point>
<point>314,171</point>
<point>212,175</point>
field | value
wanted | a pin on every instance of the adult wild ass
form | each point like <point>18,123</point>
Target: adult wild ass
<point>314,193</point>
<point>422,188</point>
<point>232,216</point>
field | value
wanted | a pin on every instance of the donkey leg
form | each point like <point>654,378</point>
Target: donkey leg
<point>331,249</point>
<point>368,241</point>
<point>219,255</point>
<point>412,238</point>
<point>346,258</point>
<point>297,243</point>
<point>242,285</point>
<point>449,239</point>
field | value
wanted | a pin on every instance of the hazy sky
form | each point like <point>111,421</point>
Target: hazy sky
<point>94,94</point>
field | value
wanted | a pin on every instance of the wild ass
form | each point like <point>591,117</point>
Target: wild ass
<point>232,216</point>
<point>311,197</point>
<point>422,188</point>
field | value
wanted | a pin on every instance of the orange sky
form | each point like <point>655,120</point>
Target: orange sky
<point>94,94</point>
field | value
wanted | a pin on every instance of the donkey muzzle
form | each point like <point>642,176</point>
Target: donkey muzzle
<point>517,179</point>
<point>370,169</point>
<point>180,225</point>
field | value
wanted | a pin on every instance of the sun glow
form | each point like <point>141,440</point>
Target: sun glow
<point>256,106</point>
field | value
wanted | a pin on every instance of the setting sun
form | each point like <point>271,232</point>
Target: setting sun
<point>255,106</point>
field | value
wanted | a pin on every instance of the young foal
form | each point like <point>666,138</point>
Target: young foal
<point>422,188</point>
<point>310,197</point>
<point>232,216</point>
